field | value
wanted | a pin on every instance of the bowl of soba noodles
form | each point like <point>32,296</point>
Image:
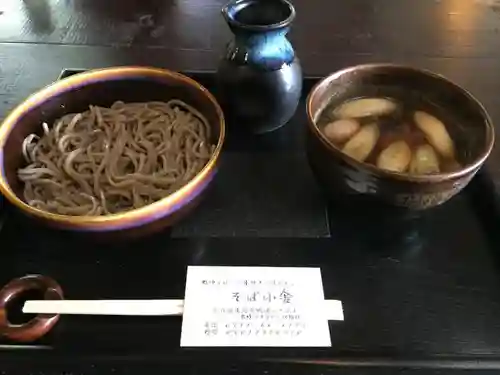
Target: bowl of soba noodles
<point>123,150</point>
<point>396,135</point>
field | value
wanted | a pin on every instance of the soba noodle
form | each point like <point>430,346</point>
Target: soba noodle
<point>110,160</point>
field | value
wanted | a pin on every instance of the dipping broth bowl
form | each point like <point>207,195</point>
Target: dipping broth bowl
<point>103,87</point>
<point>343,177</point>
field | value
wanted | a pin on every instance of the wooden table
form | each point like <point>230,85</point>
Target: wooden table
<point>458,293</point>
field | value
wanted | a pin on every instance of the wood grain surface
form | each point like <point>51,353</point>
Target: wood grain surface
<point>457,38</point>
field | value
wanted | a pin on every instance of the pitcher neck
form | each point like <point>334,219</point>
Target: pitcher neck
<point>258,16</point>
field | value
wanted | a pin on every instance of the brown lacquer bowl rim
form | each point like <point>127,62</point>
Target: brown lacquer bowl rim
<point>431,178</point>
<point>179,198</point>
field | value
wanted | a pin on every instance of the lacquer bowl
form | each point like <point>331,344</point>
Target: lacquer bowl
<point>103,87</point>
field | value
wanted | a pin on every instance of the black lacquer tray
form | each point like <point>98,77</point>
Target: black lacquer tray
<point>421,293</point>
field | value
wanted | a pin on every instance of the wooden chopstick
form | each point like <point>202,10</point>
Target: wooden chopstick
<point>159,307</point>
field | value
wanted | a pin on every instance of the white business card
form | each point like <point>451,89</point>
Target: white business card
<point>254,306</point>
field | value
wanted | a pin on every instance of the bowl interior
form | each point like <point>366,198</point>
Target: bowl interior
<point>76,93</point>
<point>470,127</point>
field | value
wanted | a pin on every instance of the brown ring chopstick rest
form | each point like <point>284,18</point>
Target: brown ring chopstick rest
<point>41,323</point>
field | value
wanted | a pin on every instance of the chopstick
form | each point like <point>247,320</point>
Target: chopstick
<point>158,307</point>
<point>150,307</point>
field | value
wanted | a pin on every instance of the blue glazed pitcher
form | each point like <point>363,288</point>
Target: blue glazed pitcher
<point>259,77</point>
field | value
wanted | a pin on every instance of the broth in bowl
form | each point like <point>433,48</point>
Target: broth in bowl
<point>395,130</point>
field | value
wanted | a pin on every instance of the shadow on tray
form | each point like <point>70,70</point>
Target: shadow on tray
<point>466,219</point>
